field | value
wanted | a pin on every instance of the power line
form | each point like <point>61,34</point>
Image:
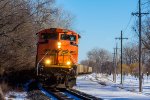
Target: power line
<point>128,24</point>
<point>131,17</point>
<point>145,3</point>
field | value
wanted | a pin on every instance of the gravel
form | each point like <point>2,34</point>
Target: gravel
<point>37,95</point>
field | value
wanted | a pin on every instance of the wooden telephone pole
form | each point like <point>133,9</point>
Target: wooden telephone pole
<point>121,39</point>
<point>139,14</point>
<point>115,61</point>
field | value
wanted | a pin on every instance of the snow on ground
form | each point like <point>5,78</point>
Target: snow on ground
<point>16,96</point>
<point>131,83</point>
<point>101,86</point>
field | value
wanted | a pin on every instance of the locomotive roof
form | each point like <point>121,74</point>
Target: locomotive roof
<point>58,30</point>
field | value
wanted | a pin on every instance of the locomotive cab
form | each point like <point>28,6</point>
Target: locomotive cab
<point>57,57</point>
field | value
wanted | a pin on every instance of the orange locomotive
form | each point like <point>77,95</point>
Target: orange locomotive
<point>57,57</point>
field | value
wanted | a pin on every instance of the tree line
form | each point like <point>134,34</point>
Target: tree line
<point>20,20</point>
<point>102,60</point>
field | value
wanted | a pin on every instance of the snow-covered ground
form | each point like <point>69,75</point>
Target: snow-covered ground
<point>103,87</point>
<point>131,83</point>
<point>12,95</point>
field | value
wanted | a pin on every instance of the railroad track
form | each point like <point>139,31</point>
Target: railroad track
<point>60,94</point>
<point>82,95</point>
<point>70,94</point>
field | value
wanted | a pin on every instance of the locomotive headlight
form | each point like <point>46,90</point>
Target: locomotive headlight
<point>68,63</point>
<point>59,45</point>
<point>47,61</point>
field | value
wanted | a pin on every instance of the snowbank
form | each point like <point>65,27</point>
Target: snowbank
<point>103,87</point>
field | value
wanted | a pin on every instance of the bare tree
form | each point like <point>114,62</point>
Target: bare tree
<point>19,21</point>
<point>99,57</point>
<point>145,35</point>
<point>130,57</point>
<point>63,19</point>
<point>15,34</point>
<point>130,53</point>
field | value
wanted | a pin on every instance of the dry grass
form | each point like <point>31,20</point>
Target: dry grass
<point>4,88</point>
<point>1,94</point>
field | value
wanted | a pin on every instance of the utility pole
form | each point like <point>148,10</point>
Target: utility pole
<point>140,44</point>
<point>116,60</point>
<point>114,64</point>
<point>140,72</point>
<point>121,39</point>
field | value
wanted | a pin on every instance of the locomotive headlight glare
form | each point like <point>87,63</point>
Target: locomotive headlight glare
<point>68,62</point>
<point>59,45</point>
<point>47,61</point>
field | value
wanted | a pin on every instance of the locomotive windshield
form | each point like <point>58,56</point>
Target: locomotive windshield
<point>68,37</point>
<point>49,36</point>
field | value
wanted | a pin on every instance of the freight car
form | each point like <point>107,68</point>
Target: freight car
<point>82,69</point>
<point>57,57</point>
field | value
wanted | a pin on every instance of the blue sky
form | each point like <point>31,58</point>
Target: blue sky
<point>100,21</point>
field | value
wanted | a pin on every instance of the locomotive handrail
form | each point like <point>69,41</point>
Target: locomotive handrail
<point>75,62</point>
<point>39,63</point>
